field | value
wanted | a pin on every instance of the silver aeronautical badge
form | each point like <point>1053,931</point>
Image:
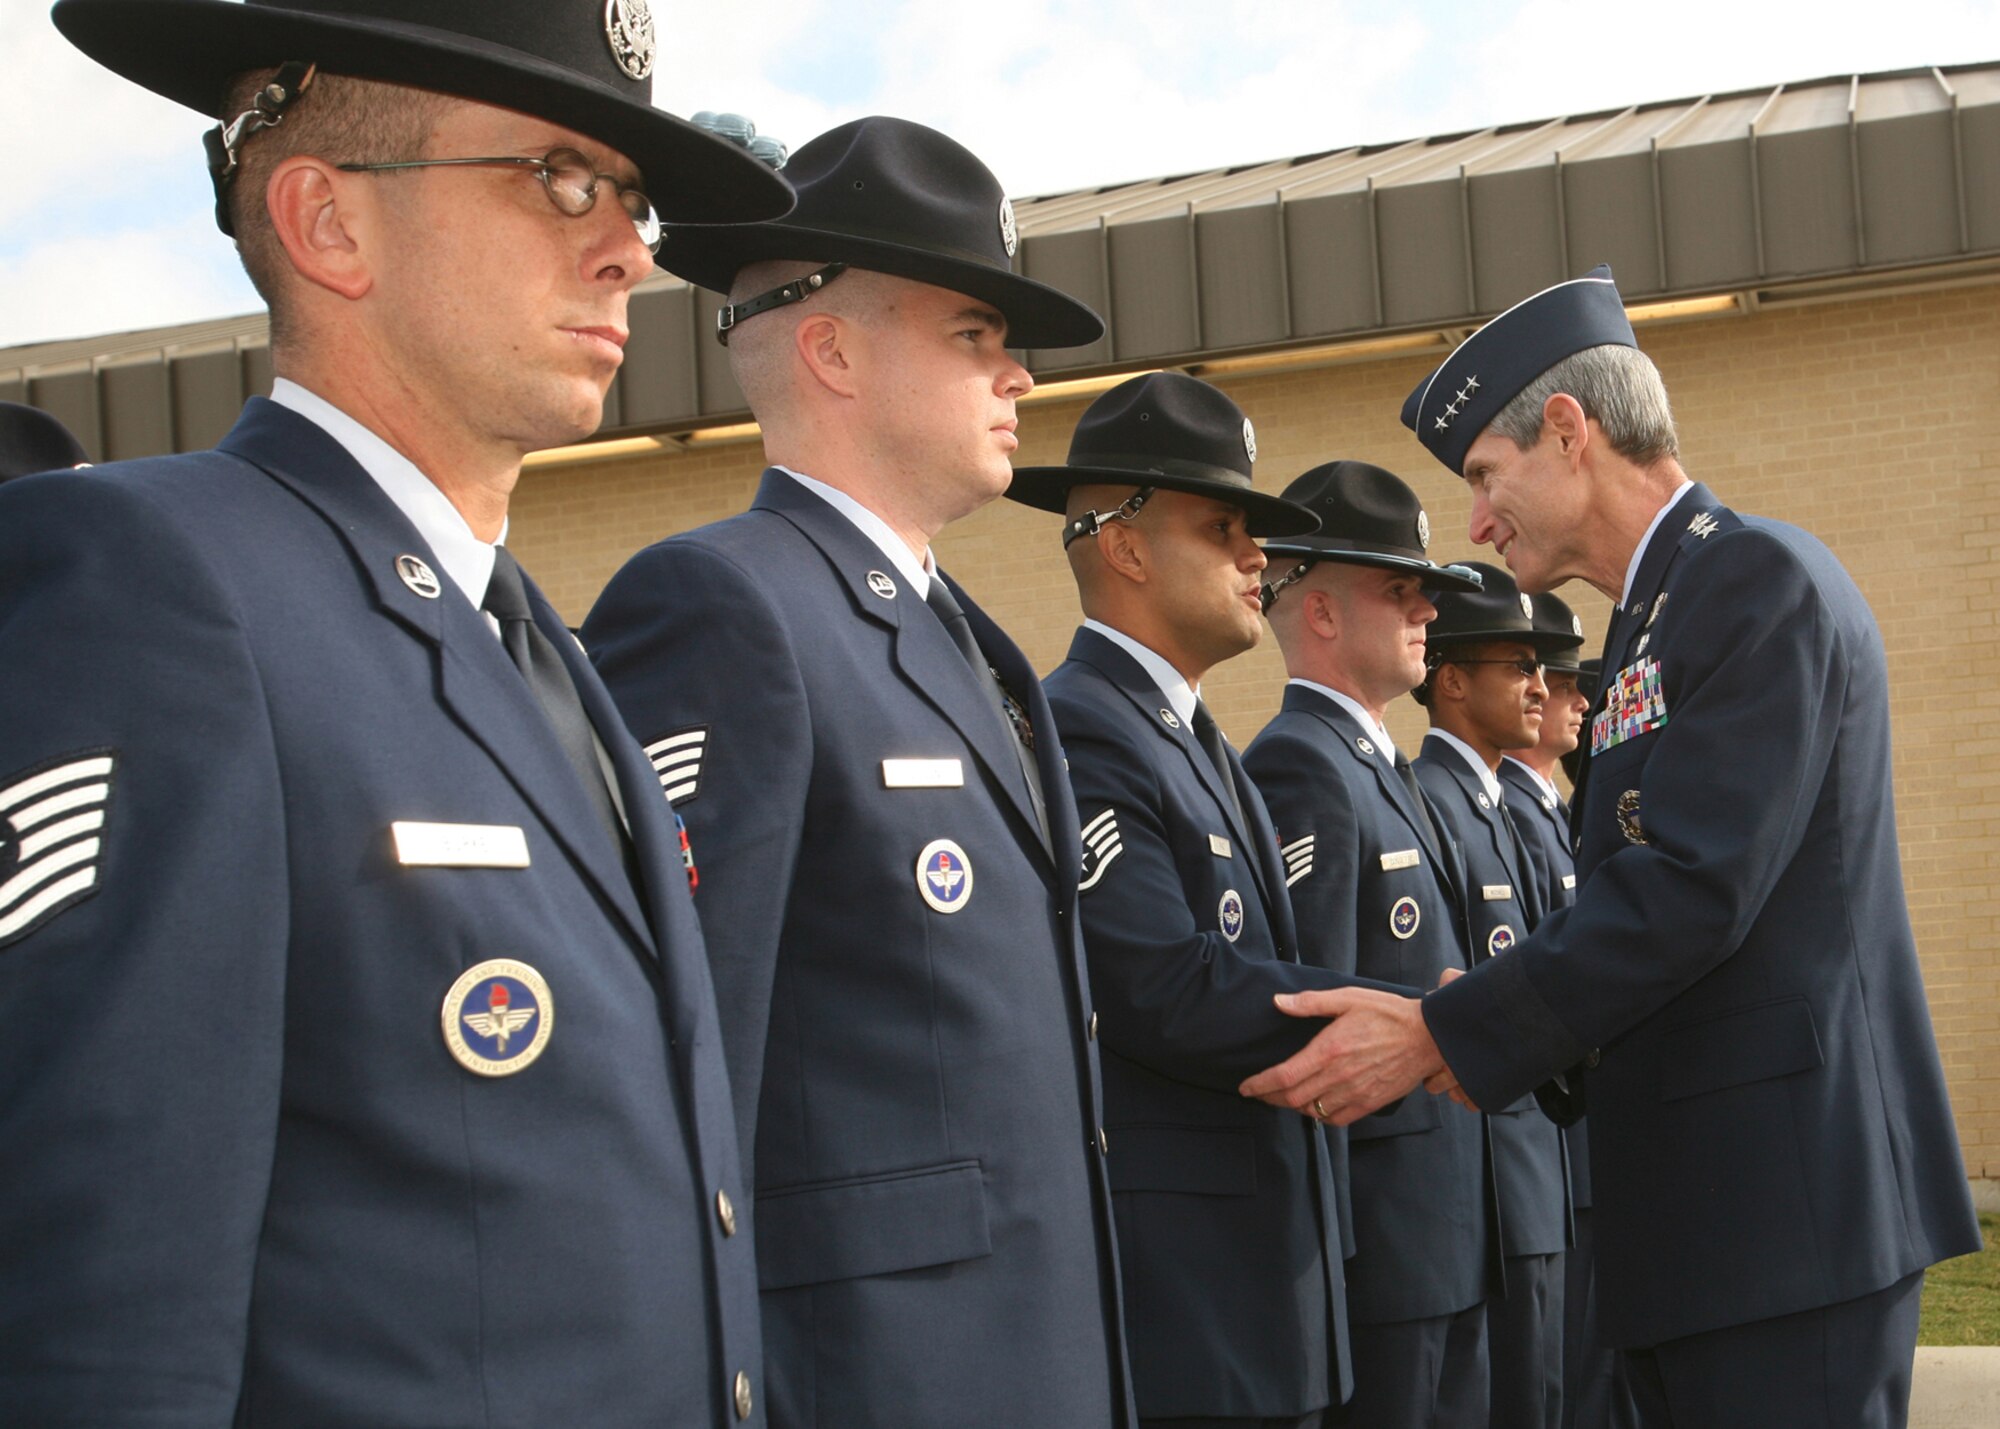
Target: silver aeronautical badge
<point>628,29</point>
<point>1527,605</point>
<point>1645,638</point>
<point>1168,718</point>
<point>1424,529</point>
<point>1501,939</point>
<point>944,876</point>
<point>1010,236</point>
<point>1229,913</point>
<point>497,1018</point>
<point>1654,614</point>
<point>881,585</point>
<point>419,577</point>
<point>1404,917</point>
<point>1249,440</point>
<point>1628,817</point>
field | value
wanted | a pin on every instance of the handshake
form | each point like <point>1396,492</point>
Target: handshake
<point>1375,1049</point>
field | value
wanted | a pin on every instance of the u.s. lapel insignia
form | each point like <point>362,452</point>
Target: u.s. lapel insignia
<point>498,1017</point>
<point>1170,719</point>
<point>1229,914</point>
<point>1499,940</point>
<point>1481,799</point>
<point>1364,746</point>
<point>1549,802</point>
<point>418,576</point>
<point>1101,846</point>
<point>1404,916</point>
<point>944,876</point>
<point>1628,817</point>
<point>882,585</point>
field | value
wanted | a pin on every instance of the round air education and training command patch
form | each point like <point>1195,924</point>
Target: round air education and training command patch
<point>944,876</point>
<point>497,1018</point>
<point>1404,917</point>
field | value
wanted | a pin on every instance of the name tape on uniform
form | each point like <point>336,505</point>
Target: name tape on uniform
<point>424,845</point>
<point>1496,892</point>
<point>1402,858</point>
<point>1569,880</point>
<point>923,774</point>
<point>1218,845</point>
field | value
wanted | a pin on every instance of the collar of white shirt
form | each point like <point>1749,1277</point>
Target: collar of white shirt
<point>1535,774</point>
<point>1473,762</point>
<point>1632,566</point>
<point>466,559</point>
<point>1384,746</point>
<point>893,547</point>
<point>1180,695</point>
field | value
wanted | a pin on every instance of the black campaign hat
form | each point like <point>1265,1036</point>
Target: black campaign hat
<point>1367,517</point>
<point>31,441</point>
<point>1588,674</point>
<point>584,64</point>
<point>1450,408</point>
<point>1165,430</point>
<point>1498,610</point>
<point>893,197</point>
<point>1554,618</point>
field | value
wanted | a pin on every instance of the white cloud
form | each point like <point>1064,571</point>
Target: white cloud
<point>181,271</point>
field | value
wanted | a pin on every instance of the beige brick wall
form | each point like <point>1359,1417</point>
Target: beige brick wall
<point>1874,423</point>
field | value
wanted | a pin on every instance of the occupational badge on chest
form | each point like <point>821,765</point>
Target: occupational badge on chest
<point>498,1017</point>
<point>944,876</point>
<point>1628,818</point>
<point>1499,940</point>
<point>1404,916</point>
<point>1229,914</point>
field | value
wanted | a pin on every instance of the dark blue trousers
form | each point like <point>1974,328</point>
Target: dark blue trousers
<point>1524,1335</point>
<point>1419,1374</point>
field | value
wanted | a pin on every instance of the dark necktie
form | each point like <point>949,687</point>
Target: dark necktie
<point>541,665</point>
<point>1424,824</point>
<point>1206,731</point>
<point>952,616</point>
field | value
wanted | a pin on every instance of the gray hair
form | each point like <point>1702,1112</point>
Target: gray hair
<point>1616,385</point>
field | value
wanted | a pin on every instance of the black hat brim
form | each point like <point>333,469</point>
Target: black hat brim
<point>1037,315</point>
<point>1047,488</point>
<point>1543,642</point>
<point>190,50</point>
<point>1430,573</point>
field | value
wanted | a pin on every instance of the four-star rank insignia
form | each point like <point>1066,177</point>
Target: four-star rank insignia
<point>944,876</point>
<point>498,1017</point>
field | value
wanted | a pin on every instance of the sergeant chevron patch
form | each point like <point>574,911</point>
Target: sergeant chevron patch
<point>53,838</point>
<point>1298,858</point>
<point>1101,847</point>
<point>677,760</point>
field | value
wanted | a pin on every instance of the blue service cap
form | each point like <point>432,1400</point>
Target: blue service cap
<point>1452,406</point>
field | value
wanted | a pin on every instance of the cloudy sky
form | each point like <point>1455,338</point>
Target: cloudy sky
<point>105,224</point>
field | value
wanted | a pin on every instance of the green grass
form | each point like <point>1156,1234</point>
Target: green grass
<point>1962,1297</point>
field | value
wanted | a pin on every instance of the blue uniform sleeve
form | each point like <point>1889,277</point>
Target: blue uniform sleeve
<point>679,636</point>
<point>143,941</point>
<point>1309,800</point>
<point>1754,678</point>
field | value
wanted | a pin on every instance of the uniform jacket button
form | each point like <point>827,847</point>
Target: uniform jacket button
<point>1091,1031</point>
<point>1103,1143</point>
<point>725,1211</point>
<point>743,1401</point>
<point>1593,1058</point>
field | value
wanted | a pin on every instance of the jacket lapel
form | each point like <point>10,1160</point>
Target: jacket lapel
<point>1347,732</point>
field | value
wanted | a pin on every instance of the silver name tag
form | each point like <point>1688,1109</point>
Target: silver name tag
<point>923,774</point>
<point>1494,892</point>
<point>420,845</point>
<point>1218,845</point>
<point>1406,858</point>
<point>1569,880</point>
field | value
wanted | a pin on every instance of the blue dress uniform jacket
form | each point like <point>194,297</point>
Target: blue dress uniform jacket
<point>1228,1224</point>
<point>1769,1124</point>
<point>934,1221</point>
<point>1370,898</point>
<point>250,1185</point>
<point>1530,1169</point>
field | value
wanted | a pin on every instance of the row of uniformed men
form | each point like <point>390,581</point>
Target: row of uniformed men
<point>366,1058</point>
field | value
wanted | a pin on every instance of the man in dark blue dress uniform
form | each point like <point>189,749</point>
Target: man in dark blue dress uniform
<point>1375,892</point>
<point>1228,1215</point>
<point>875,798</point>
<point>1772,1150</point>
<point>362,1064</point>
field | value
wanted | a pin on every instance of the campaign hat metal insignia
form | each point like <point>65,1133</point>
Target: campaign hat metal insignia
<point>1451,407</point>
<point>1496,610</point>
<point>498,1018</point>
<point>1500,940</point>
<point>1161,431</point>
<point>31,441</point>
<point>1404,917</point>
<point>892,197</point>
<point>583,64</point>
<point>1229,915</point>
<point>1554,618</point>
<point>944,876</point>
<point>1367,517</point>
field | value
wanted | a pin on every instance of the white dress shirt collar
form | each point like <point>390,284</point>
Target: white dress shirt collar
<point>1384,746</point>
<point>897,551</point>
<point>1473,762</point>
<point>1632,566</point>
<point>1181,696</point>
<point>466,559</point>
<point>1549,791</point>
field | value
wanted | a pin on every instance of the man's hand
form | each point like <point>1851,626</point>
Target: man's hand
<point>1375,1050</point>
<point>1441,1082</point>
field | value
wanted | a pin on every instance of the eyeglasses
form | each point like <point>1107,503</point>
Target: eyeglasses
<point>568,179</point>
<point>1530,669</point>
